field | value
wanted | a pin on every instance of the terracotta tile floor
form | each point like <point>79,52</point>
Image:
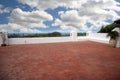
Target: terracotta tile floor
<point>83,60</point>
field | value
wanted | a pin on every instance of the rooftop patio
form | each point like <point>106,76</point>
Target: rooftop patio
<point>82,60</point>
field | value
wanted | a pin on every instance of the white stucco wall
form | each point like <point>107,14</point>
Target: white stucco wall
<point>82,38</point>
<point>73,35</point>
<point>37,40</point>
<point>98,37</point>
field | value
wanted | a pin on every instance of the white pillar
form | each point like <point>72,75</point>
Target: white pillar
<point>88,34</point>
<point>73,35</point>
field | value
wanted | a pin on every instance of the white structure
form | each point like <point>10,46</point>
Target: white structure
<point>98,37</point>
<point>118,39</point>
<point>73,35</point>
<point>37,40</point>
<point>3,38</point>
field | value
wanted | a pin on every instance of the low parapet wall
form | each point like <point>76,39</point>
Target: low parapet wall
<point>98,37</point>
<point>37,40</point>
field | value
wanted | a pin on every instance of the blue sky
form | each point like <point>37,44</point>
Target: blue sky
<point>43,16</point>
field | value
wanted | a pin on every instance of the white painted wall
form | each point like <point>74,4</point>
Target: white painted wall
<point>13,41</point>
<point>82,38</point>
<point>73,35</point>
<point>98,37</point>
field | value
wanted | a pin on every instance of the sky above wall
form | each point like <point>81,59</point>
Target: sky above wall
<point>43,16</point>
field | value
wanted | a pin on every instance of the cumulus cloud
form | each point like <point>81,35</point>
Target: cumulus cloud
<point>81,12</point>
<point>4,10</point>
<point>10,26</point>
<point>30,30</point>
<point>30,19</point>
<point>13,27</point>
<point>45,4</point>
<point>95,12</point>
<point>70,20</point>
<point>27,21</point>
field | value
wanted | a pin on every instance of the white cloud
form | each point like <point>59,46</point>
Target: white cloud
<point>99,8</point>
<point>41,4</point>
<point>26,21</point>
<point>4,10</point>
<point>95,12</point>
<point>30,30</point>
<point>70,20</point>
<point>30,19</point>
<point>12,27</point>
<point>45,4</point>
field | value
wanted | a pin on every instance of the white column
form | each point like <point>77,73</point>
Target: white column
<point>73,35</point>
